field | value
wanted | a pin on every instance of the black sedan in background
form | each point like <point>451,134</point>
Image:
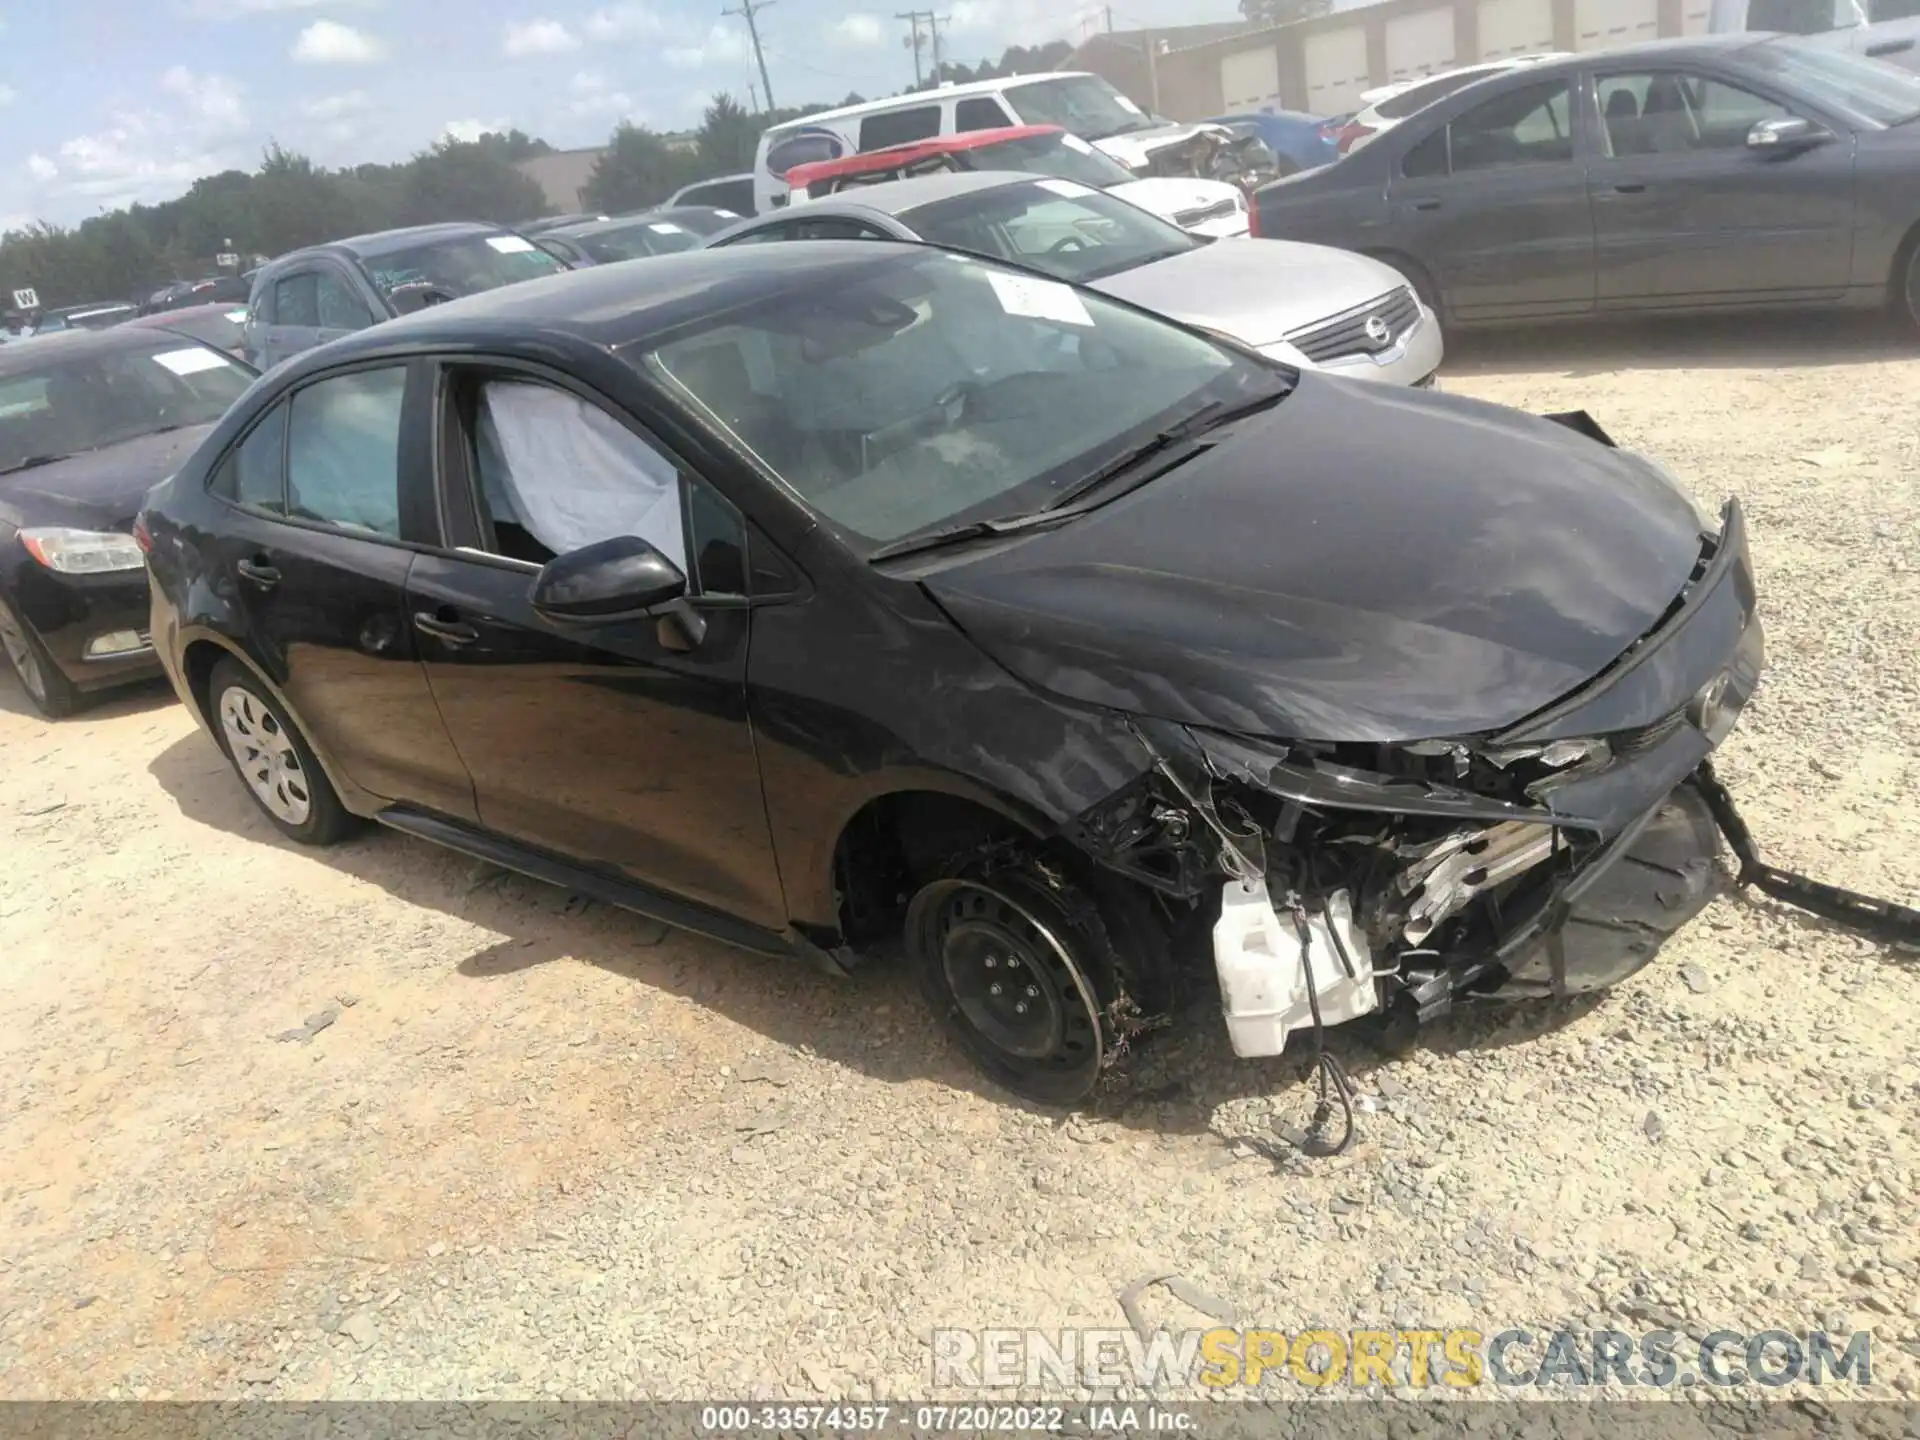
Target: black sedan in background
<point>221,326</point>
<point>634,237</point>
<point>809,594</point>
<point>88,424</point>
<point>1680,175</point>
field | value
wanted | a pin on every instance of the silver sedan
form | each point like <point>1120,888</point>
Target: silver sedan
<point>1308,305</point>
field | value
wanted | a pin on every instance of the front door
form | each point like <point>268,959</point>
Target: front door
<point>1685,212</point>
<point>622,744</point>
<point>295,326</point>
<point>1494,203</point>
<point>316,559</point>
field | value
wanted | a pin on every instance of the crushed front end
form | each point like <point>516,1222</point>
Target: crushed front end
<point>1551,858</point>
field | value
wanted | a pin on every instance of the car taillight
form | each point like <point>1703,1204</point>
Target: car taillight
<point>1253,217</point>
<point>142,536</point>
<point>1348,133</point>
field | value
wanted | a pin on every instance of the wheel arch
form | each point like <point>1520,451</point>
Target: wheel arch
<point>1418,276</point>
<point>1903,257</point>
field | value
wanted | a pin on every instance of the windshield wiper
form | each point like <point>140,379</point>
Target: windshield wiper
<point>33,462</point>
<point>972,530</point>
<point>1188,427</point>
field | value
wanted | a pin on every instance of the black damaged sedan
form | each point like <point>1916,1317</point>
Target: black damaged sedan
<point>89,422</point>
<point>808,595</point>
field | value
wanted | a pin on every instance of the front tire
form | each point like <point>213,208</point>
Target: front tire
<point>273,760</point>
<point>1906,293</point>
<point>47,686</point>
<point>1022,967</point>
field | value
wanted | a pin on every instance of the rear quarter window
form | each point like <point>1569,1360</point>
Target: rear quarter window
<point>899,127</point>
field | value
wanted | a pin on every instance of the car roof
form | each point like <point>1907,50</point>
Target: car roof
<point>610,306</point>
<point>161,319</point>
<point>896,197</point>
<point>586,229</point>
<point>924,97</point>
<point>385,242</point>
<point>16,359</point>
<point>914,150</point>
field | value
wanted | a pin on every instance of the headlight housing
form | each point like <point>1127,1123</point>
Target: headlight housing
<point>82,552</point>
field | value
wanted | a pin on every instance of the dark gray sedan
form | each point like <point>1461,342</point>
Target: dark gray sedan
<point>1712,173</point>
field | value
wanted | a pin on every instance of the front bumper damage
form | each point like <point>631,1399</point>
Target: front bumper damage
<point>1554,858</point>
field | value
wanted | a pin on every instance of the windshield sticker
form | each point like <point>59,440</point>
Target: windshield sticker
<point>1039,299</point>
<point>510,244</point>
<point>731,215</point>
<point>1068,188</point>
<point>1126,104</point>
<point>1074,142</point>
<point>238,317</point>
<point>191,360</point>
<point>665,227</point>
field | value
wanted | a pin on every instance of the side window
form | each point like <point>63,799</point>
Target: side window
<point>899,127</point>
<point>1529,126</point>
<point>556,473</point>
<point>343,451</point>
<point>765,235</point>
<point>982,112</point>
<point>260,309</point>
<point>1665,113</point>
<point>296,299</point>
<point>719,543</point>
<point>338,307</point>
<point>1427,158</point>
<point>832,228</point>
<point>254,470</point>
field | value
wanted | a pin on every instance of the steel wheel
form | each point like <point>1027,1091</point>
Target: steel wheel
<point>13,639</point>
<point>265,756</point>
<point>1910,292</point>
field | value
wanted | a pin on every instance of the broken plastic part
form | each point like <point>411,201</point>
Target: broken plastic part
<point>1271,977</point>
<point>1880,920</point>
<point>1466,864</point>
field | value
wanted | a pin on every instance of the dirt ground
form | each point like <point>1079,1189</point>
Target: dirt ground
<point>548,1149</point>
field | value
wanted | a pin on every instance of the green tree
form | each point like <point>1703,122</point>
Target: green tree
<point>728,136</point>
<point>637,170</point>
<point>1283,12</point>
<point>468,180</point>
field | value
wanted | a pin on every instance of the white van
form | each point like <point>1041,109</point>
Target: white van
<point>1081,104</point>
<point>1882,29</point>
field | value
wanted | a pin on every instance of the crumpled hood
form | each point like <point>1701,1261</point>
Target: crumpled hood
<point>1134,148</point>
<point>98,489</point>
<point>1257,291</point>
<point>1360,563</point>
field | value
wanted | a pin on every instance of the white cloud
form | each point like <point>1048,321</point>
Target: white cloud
<point>210,100</point>
<point>328,42</point>
<point>538,37</point>
<point>723,46</point>
<point>594,95</point>
<point>857,29</point>
<point>41,168</point>
<point>337,107</point>
<point>471,130</point>
<point>229,9</point>
<point>8,95</point>
<point>622,22</point>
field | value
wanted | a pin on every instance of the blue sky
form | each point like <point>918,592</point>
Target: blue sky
<point>103,102</point>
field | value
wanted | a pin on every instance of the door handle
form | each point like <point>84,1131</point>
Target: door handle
<point>1426,205</point>
<point>447,632</point>
<point>1630,187</point>
<point>259,573</point>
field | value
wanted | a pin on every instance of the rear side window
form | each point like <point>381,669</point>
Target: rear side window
<point>296,299</point>
<point>1424,94</point>
<point>337,305</point>
<point>1529,126</point>
<point>253,473</point>
<point>343,451</point>
<point>982,112</point>
<point>899,127</point>
<point>1429,157</point>
<point>803,148</point>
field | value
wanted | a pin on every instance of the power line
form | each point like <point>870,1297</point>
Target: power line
<point>746,11</point>
<point>933,22</point>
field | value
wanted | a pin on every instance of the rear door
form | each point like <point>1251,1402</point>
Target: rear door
<point>316,555</point>
<point>1686,213</point>
<point>1494,203</point>
<point>622,744</point>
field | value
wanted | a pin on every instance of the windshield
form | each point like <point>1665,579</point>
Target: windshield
<point>59,403</point>
<point>216,327</point>
<point>1066,156</point>
<point>1085,105</point>
<point>923,389</point>
<point>1866,89</point>
<point>1052,225</point>
<point>464,266</point>
<point>637,241</point>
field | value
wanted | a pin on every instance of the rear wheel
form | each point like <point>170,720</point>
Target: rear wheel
<point>273,759</point>
<point>1021,965</point>
<point>1907,287</point>
<point>53,695</point>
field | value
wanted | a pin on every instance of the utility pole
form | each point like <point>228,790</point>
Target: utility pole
<point>912,17</point>
<point>746,12</point>
<point>934,22</point>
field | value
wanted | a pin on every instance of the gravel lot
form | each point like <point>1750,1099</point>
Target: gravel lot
<point>547,1150</point>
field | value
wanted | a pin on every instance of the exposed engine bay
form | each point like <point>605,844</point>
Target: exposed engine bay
<point>1215,152</point>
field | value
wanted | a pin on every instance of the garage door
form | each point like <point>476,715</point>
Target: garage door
<point>1250,80</point>
<point>1336,66</point>
<point>1515,27</point>
<point>1419,44</point>
<point>1602,24</point>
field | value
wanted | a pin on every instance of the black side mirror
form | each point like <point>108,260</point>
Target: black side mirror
<point>618,579</point>
<point>406,299</point>
<point>1795,132</point>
